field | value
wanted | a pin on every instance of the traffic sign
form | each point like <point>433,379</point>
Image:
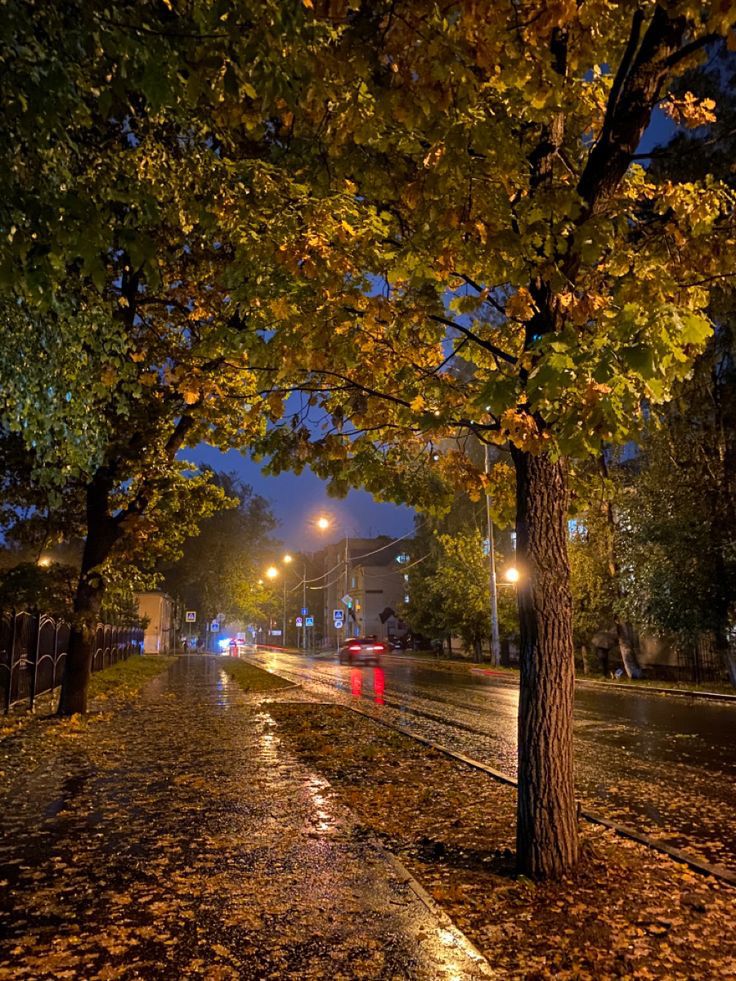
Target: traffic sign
<point>309,622</point>
<point>347,599</point>
<point>339,624</point>
<point>300,621</point>
<point>214,626</point>
<point>304,611</point>
<point>338,614</point>
<point>191,616</point>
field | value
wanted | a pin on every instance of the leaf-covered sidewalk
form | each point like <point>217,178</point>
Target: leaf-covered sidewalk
<point>176,836</point>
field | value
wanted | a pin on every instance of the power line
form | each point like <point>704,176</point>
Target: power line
<point>354,558</point>
<point>379,575</point>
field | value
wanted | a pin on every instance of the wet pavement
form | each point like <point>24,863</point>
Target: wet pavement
<point>664,765</point>
<point>177,837</point>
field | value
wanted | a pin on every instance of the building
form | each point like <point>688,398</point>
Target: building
<point>376,583</point>
<point>158,609</point>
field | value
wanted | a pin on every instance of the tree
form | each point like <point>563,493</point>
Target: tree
<point>221,563</point>
<point>678,529</point>
<point>461,583</point>
<point>27,585</point>
<point>124,343</point>
<point>449,590</point>
<point>496,206</point>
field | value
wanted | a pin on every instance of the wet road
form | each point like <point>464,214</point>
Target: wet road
<point>664,765</point>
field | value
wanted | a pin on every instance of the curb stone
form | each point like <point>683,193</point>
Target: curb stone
<point>703,868</point>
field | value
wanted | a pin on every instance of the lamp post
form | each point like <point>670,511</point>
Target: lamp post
<point>323,523</point>
<point>495,638</point>
<point>273,572</point>
<point>287,561</point>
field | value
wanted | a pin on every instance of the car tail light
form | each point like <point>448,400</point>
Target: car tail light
<point>355,647</point>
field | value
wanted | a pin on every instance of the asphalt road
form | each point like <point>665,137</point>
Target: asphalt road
<point>664,765</point>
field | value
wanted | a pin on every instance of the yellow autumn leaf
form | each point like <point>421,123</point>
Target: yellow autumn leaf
<point>520,305</point>
<point>689,110</point>
<point>280,307</point>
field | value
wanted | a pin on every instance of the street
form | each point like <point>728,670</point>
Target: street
<point>666,766</point>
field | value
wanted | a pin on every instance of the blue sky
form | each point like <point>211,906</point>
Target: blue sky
<point>297,499</point>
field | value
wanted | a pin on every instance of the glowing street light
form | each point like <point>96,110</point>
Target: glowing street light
<point>512,575</point>
<point>323,523</point>
<point>272,572</point>
<point>287,559</point>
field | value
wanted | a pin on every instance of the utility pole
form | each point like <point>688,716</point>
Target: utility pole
<point>304,607</point>
<point>495,639</point>
<point>283,633</point>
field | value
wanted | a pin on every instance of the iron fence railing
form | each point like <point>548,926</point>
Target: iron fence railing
<point>34,646</point>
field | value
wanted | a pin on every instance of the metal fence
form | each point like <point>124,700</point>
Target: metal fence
<point>34,646</point>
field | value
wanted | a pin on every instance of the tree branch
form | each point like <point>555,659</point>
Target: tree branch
<point>486,345</point>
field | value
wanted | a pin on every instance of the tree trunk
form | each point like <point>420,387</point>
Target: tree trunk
<point>505,653</point>
<point>77,670</point>
<point>729,657</point>
<point>102,532</point>
<point>477,650</point>
<point>546,836</point>
<point>626,640</point>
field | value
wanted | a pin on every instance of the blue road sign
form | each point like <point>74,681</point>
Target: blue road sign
<point>309,622</point>
<point>304,611</point>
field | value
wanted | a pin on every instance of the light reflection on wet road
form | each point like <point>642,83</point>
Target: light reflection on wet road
<point>666,765</point>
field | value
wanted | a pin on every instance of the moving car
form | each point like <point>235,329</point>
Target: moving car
<point>362,650</point>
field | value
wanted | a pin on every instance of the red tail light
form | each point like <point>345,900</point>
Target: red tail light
<point>354,647</point>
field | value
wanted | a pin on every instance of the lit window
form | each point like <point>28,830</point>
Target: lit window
<point>406,597</point>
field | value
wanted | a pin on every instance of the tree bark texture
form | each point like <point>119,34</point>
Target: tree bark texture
<point>102,533</point>
<point>547,839</point>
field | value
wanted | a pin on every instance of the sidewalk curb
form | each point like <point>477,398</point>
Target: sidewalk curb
<point>703,868</point>
<point>444,920</point>
<point>712,696</point>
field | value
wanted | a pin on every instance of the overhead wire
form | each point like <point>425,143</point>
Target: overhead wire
<point>355,558</point>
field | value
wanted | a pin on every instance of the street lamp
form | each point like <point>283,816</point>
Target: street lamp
<point>272,572</point>
<point>512,575</point>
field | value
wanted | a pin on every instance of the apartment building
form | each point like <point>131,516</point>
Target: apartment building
<point>374,579</point>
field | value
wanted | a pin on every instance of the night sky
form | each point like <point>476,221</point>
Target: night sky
<point>297,500</point>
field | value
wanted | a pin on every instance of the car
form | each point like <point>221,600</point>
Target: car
<point>363,650</point>
<point>233,647</point>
